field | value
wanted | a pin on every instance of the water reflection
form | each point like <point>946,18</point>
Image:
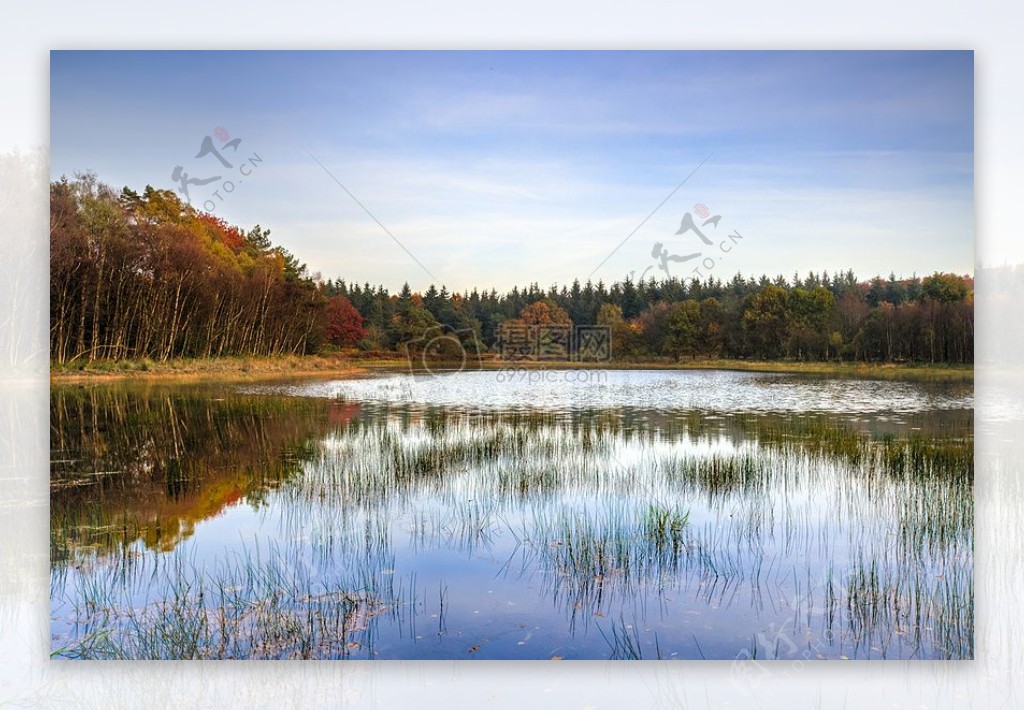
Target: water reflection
<point>150,464</point>
<point>661,390</point>
<point>308,527</point>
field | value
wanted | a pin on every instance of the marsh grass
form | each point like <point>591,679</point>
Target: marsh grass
<point>258,605</point>
<point>854,545</point>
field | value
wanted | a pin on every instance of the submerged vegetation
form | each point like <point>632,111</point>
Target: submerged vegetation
<point>383,531</point>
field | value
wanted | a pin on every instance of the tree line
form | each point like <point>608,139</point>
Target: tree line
<point>816,317</point>
<point>145,275</point>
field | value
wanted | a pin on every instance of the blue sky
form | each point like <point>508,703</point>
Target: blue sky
<point>503,168</point>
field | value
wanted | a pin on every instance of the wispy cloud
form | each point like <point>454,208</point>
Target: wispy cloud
<point>505,168</point>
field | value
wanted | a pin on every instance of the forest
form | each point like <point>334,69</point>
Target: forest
<point>145,275</point>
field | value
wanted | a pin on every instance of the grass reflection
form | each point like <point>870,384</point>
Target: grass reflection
<point>784,536</point>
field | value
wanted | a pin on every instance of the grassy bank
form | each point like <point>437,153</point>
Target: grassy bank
<point>248,369</point>
<point>220,368</point>
<point>882,371</point>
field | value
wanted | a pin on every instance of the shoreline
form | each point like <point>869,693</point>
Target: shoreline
<point>223,369</point>
<point>295,366</point>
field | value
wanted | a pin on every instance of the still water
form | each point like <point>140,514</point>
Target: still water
<point>498,515</point>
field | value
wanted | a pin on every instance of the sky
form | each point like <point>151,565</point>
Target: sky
<point>494,169</point>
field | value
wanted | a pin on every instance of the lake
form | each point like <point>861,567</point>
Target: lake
<point>577,514</point>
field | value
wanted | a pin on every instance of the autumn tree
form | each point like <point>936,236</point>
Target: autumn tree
<point>944,288</point>
<point>138,275</point>
<point>344,323</point>
<point>626,337</point>
<point>712,327</point>
<point>544,312</point>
